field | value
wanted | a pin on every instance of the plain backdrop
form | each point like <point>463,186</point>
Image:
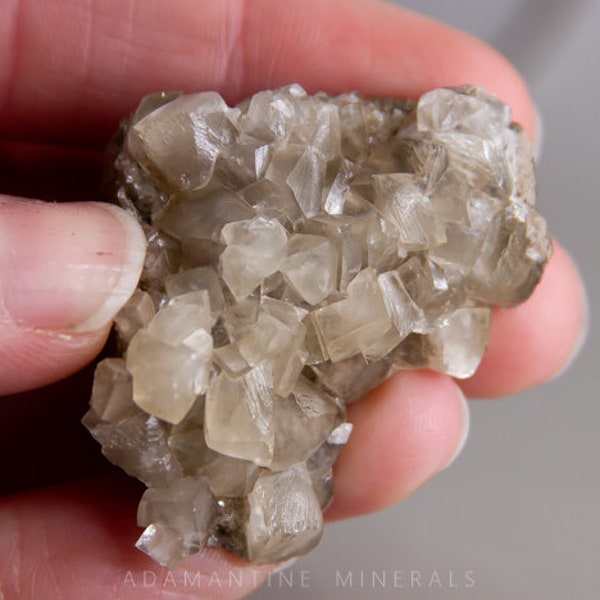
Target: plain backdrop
<point>517,516</point>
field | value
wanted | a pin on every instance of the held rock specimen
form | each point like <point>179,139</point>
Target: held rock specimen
<point>300,249</point>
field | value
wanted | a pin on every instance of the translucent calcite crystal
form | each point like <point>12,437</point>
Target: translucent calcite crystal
<point>300,249</point>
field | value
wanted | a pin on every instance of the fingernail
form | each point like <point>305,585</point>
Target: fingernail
<point>582,336</point>
<point>464,432</point>
<point>67,267</point>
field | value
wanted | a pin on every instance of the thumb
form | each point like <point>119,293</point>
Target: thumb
<point>65,271</point>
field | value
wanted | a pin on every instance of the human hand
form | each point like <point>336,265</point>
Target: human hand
<point>69,71</point>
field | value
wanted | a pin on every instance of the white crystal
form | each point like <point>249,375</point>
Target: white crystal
<point>198,279</point>
<point>311,267</point>
<point>273,200</point>
<point>239,416</point>
<point>122,439</point>
<point>349,234</point>
<point>306,181</point>
<point>352,377</point>
<point>194,498</point>
<point>112,391</point>
<point>168,378</point>
<point>452,355</point>
<point>202,214</point>
<point>225,475</point>
<point>231,360</point>
<point>302,422</point>
<point>285,516</point>
<point>404,313</point>
<point>137,313</point>
<point>162,543</point>
<point>182,318</point>
<point>180,141</point>
<point>341,434</point>
<point>255,249</point>
<point>336,195</point>
<point>353,325</point>
<point>403,203</point>
<point>473,112</point>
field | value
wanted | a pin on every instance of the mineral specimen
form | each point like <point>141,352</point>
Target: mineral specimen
<point>300,249</point>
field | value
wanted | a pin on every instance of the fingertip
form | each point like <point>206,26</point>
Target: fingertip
<point>405,431</point>
<point>65,271</point>
<point>537,340</point>
<point>79,539</point>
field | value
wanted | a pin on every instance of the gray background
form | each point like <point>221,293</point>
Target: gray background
<point>520,506</point>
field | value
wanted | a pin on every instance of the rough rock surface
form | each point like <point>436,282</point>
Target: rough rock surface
<point>300,249</point>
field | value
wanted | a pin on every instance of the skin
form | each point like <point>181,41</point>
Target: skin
<point>68,71</point>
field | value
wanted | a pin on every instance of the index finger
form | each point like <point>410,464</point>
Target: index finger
<point>70,70</point>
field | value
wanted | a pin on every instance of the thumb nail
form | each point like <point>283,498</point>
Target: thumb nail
<point>464,430</point>
<point>66,267</point>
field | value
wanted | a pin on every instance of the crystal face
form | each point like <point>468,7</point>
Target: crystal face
<point>300,250</point>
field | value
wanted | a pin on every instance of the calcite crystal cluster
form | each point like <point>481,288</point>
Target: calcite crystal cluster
<point>300,249</point>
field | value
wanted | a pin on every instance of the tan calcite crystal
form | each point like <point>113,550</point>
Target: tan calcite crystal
<point>300,249</point>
